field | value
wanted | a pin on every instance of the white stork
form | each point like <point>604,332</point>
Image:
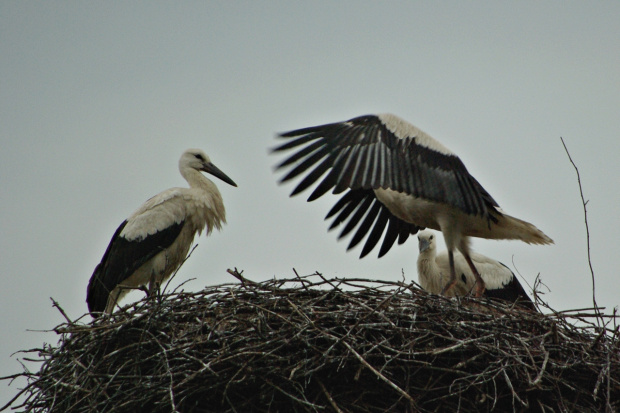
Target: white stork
<point>400,178</point>
<point>153,242</point>
<point>434,269</point>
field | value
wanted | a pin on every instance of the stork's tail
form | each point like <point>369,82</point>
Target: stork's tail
<point>509,227</point>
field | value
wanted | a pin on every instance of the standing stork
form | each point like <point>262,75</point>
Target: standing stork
<point>401,179</point>
<point>433,270</point>
<point>153,242</point>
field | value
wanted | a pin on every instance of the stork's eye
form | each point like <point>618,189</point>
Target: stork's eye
<point>199,157</point>
<point>431,237</point>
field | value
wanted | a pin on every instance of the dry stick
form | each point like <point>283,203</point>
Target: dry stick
<point>303,284</point>
<point>329,396</point>
<point>459,344</point>
<point>514,393</point>
<point>542,370</point>
<point>297,399</point>
<point>585,214</point>
<point>247,283</point>
<point>55,304</point>
<point>177,270</point>
<point>335,287</point>
<point>235,273</point>
<point>378,374</point>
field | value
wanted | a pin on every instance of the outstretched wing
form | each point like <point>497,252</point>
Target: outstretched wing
<point>380,151</point>
<point>384,151</point>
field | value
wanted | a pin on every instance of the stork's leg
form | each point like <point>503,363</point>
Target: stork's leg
<point>153,285</point>
<point>479,285</point>
<point>452,281</point>
<point>113,300</point>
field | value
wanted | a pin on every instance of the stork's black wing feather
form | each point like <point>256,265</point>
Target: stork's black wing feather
<point>512,292</point>
<point>362,210</point>
<point>122,258</point>
<point>371,152</point>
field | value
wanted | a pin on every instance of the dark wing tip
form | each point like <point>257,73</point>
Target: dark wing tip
<point>96,294</point>
<point>512,292</point>
<point>362,211</point>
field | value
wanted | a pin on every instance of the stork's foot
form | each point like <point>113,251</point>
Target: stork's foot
<point>479,289</point>
<point>448,287</point>
<point>144,290</point>
<point>154,285</point>
<point>151,291</point>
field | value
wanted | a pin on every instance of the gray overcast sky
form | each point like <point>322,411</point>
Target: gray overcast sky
<point>99,99</point>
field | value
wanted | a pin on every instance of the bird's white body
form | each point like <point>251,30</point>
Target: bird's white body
<point>199,207</point>
<point>399,180</point>
<point>434,273</point>
<point>442,216</point>
<point>155,240</point>
<point>455,225</point>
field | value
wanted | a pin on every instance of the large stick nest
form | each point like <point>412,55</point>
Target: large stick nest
<point>310,344</point>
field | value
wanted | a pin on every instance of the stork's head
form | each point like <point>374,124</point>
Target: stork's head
<point>426,241</point>
<point>198,160</point>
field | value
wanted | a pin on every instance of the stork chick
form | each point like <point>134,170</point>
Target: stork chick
<point>434,270</point>
<point>399,180</point>
<point>153,242</point>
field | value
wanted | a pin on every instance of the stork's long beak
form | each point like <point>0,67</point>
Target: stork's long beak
<point>423,244</point>
<point>215,171</point>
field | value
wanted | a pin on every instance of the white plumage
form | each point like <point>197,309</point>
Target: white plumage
<point>434,273</point>
<point>153,242</point>
<point>399,180</point>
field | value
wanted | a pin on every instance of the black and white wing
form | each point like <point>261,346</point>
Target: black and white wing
<point>500,282</point>
<point>507,287</point>
<point>380,151</point>
<point>122,258</point>
<point>360,208</point>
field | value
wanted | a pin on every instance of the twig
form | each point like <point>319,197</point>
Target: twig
<point>174,274</point>
<point>329,397</point>
<point>378,374</point>
<point>55,304</point>
<point>585,214</point>
<point>235,273</point>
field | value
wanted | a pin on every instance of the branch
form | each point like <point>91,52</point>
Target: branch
<point>585,214</point>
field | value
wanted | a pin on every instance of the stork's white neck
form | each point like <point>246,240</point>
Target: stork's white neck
<point>212,208</point>
<point>197,180</point>
<point>429,275</point>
